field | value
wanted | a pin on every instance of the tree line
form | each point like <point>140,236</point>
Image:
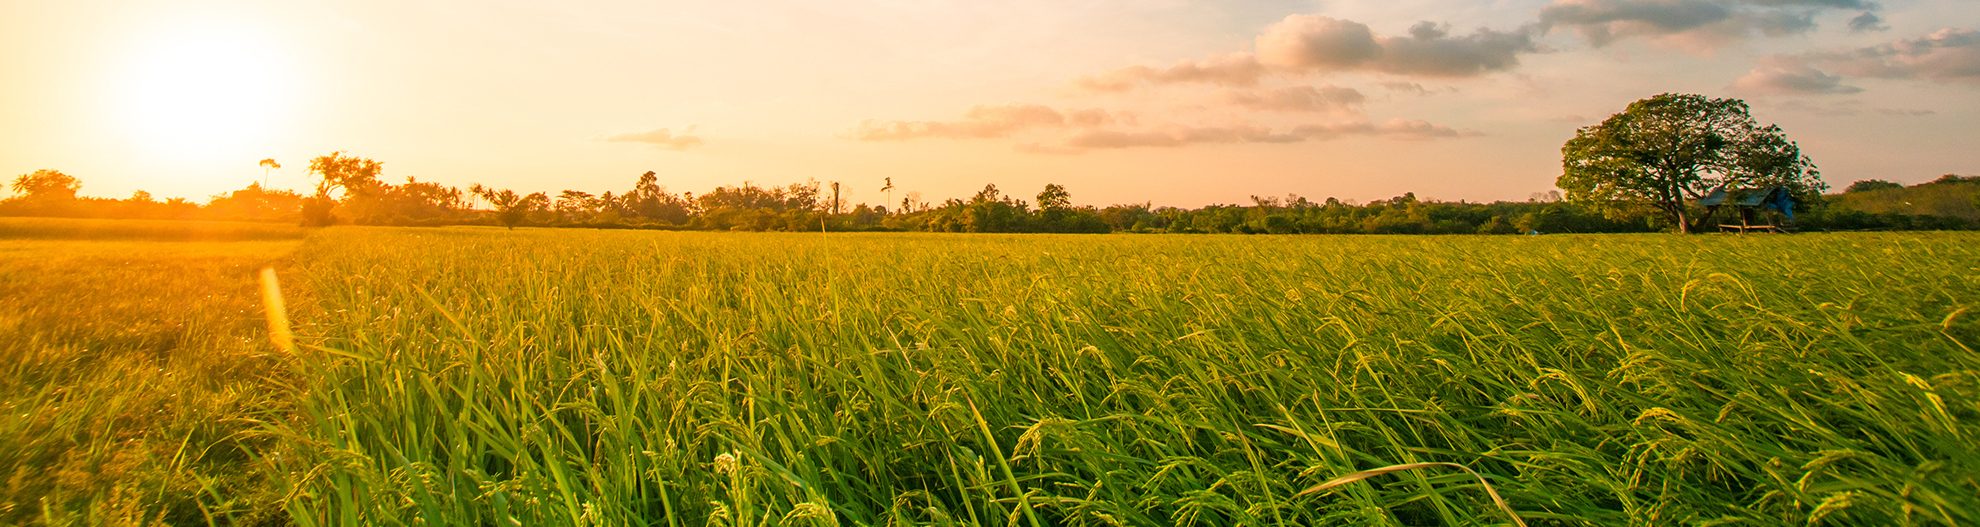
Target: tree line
<point>351,190</point>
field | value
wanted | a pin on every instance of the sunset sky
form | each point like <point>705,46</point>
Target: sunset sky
<point>1178,103</point>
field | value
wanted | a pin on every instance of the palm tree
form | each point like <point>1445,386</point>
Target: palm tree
<point>889,189</point>
<point>266,165</point>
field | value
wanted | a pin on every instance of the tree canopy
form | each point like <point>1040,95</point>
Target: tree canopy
<point>511,208</point>
<point>47,185</point>
<point>1868,185</point>
<point>352,174</point>
<point>1667,151</point>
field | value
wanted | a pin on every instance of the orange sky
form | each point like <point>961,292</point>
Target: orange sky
<point>1150,100</point>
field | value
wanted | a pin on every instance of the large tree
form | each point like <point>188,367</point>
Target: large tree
<point>352,174</point>
<point>47,186</point>
<point>1666,152</point>
<point>357,177</point>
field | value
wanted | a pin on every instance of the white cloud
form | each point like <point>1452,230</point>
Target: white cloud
<point>662,138</point>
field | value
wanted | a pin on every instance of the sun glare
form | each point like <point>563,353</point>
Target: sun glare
<point>203,92</point>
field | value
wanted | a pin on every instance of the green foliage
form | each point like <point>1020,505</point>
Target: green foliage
<point>351,174</point>
<point>412,203</point>
<point>256,203</point>
<point>1956,179</point>
<point>1054,198</point>
<point>367,200</point>
<point>1666,151</point>
<point>752,208</point>
<point>693,378</point>
<point>467,376</point>
<point>1871,184</point>
<point>650,201</point>
<point>134,387</point>
<point>370,201</point>
<point>513,209</point>
<point>1400,215</point>
<point>356,177</point>
<point>43,192</point>
<point>1949,202</point>
<point>575,207</point>
<point>991,211</point>
<point>47,185</point>
<point>318,211</point>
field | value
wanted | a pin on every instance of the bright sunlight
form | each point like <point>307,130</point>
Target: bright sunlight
<point>203,92</point>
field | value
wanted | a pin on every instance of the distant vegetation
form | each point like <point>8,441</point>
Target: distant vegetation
<point>353,192</point>
<point>1873,204</point>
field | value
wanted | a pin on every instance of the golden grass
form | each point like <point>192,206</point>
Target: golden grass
<point>133,381</point>
<point>465,376</point>
<point>144,230</point>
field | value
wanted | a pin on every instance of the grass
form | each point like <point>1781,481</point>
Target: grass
<point>145,230</point>
<point>536,377</point>
<point>129,381</point>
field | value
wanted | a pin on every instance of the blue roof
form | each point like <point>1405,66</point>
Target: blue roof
<point>1771,197</point>
<point>1776,198</point>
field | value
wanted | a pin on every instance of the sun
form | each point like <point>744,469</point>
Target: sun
<point>203,91</point>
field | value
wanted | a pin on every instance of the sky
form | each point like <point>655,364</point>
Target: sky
<point>1121,101</point>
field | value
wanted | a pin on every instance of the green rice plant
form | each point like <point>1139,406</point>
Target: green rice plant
<point>145,230</point>
<point>479,376</point>
<point>133,389</point>
<point>475,376</point>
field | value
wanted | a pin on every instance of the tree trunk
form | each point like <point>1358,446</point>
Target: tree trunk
<point>1684,227</point>
<point>1706,220</point>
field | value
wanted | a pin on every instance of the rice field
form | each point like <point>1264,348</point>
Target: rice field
<point>474,376</point>
<point>133,376</point>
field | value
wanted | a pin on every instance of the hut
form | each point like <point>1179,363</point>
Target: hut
<point>1753,206</point>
